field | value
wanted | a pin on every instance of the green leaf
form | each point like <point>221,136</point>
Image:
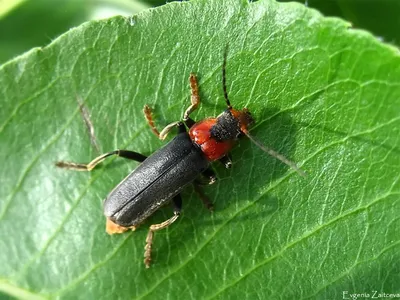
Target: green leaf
<point>323,95</point>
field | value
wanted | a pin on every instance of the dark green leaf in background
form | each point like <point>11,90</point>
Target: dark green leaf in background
<point>324,95</point>
<point>28,24</point>
<point>381,17</point>
<point>157,2</point>
<point>36,23</point>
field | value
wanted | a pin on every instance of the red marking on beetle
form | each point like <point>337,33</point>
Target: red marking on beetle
<point>201,135</point>
<point>213,149</point>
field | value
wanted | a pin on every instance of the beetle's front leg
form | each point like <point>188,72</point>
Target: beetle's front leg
<point>177,201</point>
<point>194,98</point>
<point>167,129</point>
<point>194,103</point>
<point>163,134</point>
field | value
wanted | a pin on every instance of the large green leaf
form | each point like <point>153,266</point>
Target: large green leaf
<point>324,95</point>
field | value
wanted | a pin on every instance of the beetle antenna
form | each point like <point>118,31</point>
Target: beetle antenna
<point>275,154</point>
<point>228,103</point>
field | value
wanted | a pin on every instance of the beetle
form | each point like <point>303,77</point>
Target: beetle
<point>184,160</point>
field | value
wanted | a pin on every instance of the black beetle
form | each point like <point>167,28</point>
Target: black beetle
<point>162,176</point>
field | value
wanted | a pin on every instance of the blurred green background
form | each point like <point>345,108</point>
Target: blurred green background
<point>25,24</point>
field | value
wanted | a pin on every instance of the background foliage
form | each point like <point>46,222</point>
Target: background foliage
<point>323,95</point>
<point>29,24</point>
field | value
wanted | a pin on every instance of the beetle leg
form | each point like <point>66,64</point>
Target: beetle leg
<point>226,161</point>
<point>163,134</point>
<point>194,98</point>
<point>177,200</point>
<point>149,118</point>
<point>206,201</point>
<point>88,167</point>
<point>167,129</point>
<point>189,122</point>
<point>195,101</point>
<point>210,179</point>
<point>208,176</point>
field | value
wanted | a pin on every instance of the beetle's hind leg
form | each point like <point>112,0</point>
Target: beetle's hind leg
<point>88,167</point>
<point>177,201</point>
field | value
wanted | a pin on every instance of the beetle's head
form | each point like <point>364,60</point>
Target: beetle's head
<point>244,117</point>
